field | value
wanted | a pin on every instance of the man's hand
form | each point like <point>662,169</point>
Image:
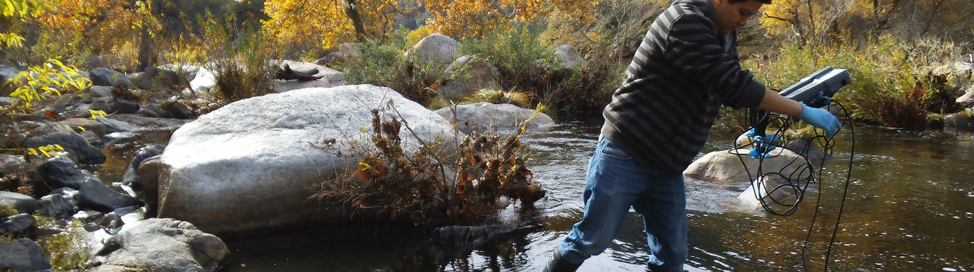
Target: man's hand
<point>820,118</point>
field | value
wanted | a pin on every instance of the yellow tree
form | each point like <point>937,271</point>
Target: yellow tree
<point>820,21</point>
<point>12,16</point>
<point>475,18</point>
<point>810,21</point>
<point>96,25</point>
<point>327,23</point>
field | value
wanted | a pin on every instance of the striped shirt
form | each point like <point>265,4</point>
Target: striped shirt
<point>679,77</point>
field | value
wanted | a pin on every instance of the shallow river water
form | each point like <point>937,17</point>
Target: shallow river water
<point>910,207</point>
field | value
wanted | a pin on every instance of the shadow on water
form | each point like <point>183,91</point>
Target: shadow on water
<point>910,207</point>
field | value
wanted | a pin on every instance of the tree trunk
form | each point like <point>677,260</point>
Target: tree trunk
<point>351,10</point>
<point>145,50</point>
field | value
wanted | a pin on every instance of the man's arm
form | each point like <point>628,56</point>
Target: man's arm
<point>776,103</point>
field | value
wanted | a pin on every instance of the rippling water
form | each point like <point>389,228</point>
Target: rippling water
<point>910,207</point>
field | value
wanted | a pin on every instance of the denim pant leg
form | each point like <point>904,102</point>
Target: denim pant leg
<point>663,209</point>
<point>613,183</point>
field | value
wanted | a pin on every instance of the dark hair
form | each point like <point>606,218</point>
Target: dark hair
<point>762,1</point>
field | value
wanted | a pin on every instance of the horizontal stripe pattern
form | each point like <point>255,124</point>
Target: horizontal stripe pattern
<point>680,75</point>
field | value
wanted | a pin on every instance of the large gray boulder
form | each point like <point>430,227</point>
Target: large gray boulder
<point>468,74</point>
<point>251,165</point>
<point>159,244</point>
<point>495,118</point>
<point>437,48</point>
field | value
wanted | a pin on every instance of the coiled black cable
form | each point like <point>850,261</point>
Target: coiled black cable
<point>794,177</point>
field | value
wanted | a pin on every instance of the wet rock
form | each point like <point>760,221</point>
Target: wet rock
<point>226,172</point>
<point>436,47</point>
<point>468,74</point>
<point>88,215</point>
<point>725,166</point>
<point>160,245</point>
<point>451,242</point>
<point>101,92</point>
<point>22,255</point>
<point>149,171</point>
<point>178,110</point>
<point>121,138</point>
<point>36,128</point>
<point>500,118</point>
<point>16,224</point>
<point>153,111</point>
<point>146,152</point>
<point>727,170</point>
<point>57,206</point>
<point>131,177</point>
<point>59,172</point>
<point>960,121</point>
<point>12,164</point>
<point>123,106</point>
<point>21,202</point>
<point>112,125</point>
<point>108,77</point>
<point>96,195</point>
<point>111,221</point>
<point>86,124</point>
<point>472,237</point>
<point>78,149</point>
<point>149,122</point>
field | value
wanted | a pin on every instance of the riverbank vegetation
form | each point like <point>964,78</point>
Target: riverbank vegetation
<point>886,46</point>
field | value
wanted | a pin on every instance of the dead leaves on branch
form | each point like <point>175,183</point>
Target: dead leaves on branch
<point>426,187</point>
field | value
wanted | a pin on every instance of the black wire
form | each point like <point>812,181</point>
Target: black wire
<point>845,190</point>
<point>794,181</point>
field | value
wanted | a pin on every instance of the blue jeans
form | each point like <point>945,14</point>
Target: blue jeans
<point>616,182</point>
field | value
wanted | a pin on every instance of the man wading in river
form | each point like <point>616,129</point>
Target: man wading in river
<point>658,120</point>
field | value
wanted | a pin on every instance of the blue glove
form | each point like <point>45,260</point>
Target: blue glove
<point>820,118</point>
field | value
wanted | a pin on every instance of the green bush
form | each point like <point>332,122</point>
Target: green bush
<point>241,59</point>
<point>386,65</point>
<point>887,86</point>
<point>527,65</point>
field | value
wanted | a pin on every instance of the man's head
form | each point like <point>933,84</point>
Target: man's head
<point>732,14</point>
